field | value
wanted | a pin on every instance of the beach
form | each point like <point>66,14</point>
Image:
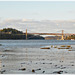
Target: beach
<point>28,59</point>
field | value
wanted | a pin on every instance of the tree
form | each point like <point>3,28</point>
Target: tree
<point>13,31</point>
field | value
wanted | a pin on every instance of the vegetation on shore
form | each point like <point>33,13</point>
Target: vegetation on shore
<point>9,33</point>
<point>11,30</point>
<point>70,37</point>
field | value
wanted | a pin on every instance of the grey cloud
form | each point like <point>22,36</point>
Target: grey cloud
<point>39,26</point>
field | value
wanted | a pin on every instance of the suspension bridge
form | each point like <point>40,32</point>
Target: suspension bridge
<point>62,34</point>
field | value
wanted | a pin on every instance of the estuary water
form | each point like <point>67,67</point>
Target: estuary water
<point>27,57</point>
<point>35,43</point>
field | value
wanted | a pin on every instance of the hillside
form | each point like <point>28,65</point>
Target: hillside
<point>12,31</point>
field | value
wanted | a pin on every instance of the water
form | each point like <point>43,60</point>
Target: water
<point>18,54</point>
<point>35,43</point>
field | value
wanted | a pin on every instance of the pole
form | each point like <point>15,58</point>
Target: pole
<point>26,34</point>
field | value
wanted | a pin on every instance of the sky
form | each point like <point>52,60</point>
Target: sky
<point>38,16</point>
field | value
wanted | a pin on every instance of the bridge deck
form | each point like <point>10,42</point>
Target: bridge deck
<point>52,33</point>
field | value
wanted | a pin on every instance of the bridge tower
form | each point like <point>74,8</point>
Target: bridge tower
<point>62,37</point>
<point>26,34</point>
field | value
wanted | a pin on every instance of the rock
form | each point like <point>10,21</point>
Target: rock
<point>71,47</point>
<point>3,65</point>
<point>72,65</point>
<point>33,70</point>
<point>2,71</point>
<point>36,70</point>
<point>55,65</point>
<point>71,62</point>
<point>39,69</point>
<point>23,69</point>
<point>45,48</point>
<point>43,72</point>
<point>8,50</point>
<point>51,46</point>
<point>69,50</point>
<point>65,72</point>
<point>63,67</point>
<point>63,46</point>
<point>68,46</point>
<point>0,44</point>
<point>59,48</point>
<point>22,63</point>
<point>58,67</point>
<point>58,72</point>
<point>50,63</point>
<point>61,61</point>
<point>3,55</point>
<point>55,47</point>
<point>43,59</point>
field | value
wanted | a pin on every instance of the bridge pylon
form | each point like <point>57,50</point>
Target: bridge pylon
<point>62,37</point>
<point>26,34</point>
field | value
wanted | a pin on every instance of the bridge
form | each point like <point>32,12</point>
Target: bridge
<point>62,34</point>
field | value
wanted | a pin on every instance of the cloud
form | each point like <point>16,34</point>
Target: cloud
<point>71,11</point>
<point>39,26</point>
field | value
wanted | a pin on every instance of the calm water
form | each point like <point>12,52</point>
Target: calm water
<point>35,43</point>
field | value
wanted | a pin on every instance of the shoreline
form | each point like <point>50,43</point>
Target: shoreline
<point>50,61</point>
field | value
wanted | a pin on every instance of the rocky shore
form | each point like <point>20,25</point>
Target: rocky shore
<point>58,59</point>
